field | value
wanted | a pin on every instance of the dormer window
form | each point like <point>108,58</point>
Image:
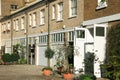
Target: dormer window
<point>101,4</point>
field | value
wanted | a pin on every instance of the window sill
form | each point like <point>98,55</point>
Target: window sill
<point>73,16</point>
<point>54,19</point>
<point>33,26</point>
<point>42,24</point>
<point>59,20</point>
<point>101,5</point>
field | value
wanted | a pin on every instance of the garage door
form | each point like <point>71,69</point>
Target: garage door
<point>41,59</point>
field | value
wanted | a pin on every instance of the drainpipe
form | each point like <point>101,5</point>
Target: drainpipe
<point>27,47</point>
<point>11,35</point>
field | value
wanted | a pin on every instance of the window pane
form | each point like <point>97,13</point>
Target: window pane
<point>100,31</point>
<point>80,34</point>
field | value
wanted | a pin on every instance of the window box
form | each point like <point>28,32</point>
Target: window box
<point>8,30</point>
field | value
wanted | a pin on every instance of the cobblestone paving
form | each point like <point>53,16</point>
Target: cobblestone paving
<point>23,72</point>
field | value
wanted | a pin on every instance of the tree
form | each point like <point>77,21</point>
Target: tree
<point>49,53</point>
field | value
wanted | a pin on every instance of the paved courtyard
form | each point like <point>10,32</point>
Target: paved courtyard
<point>23,72</point>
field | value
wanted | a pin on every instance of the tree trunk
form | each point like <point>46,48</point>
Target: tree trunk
<point>48,62</point>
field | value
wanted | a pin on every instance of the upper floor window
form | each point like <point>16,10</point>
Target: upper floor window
<point>17,25</point>
<point>30,19</point>
<point>73,8</point>
<point>53,12</point>
<point>101,4</point>
<point>42,17</point>
<point>34,19</point>
<point>22,22</point>
<point>4,27</point>
<point>8,27</point>
<point>60,11</point>
<point>14,24</point>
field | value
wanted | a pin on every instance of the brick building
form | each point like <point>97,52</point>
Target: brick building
<point>79,23</point>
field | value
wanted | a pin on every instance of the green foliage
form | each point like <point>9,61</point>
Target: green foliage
<point>10,57</point>
<point>47,68</point>
<point>113,53</point>
<point>14,57</point>
<point>49,53</point>
<point>87,77</point>
<point>22,61</point>
<point>89,63</point>
<point>6,58</point>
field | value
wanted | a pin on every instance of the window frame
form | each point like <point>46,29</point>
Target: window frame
<point>73,7</point>
<point>60,11</point>
<point>42,17</point>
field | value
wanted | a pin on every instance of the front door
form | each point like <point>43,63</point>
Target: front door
<point>99,47</point>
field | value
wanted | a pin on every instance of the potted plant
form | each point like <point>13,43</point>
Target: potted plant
<point>47,71</point>
<point>49,53</point>
<point>67,75</point>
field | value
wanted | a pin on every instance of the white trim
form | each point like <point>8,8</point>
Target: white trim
<point>102,19</point>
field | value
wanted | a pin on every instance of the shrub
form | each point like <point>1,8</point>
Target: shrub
<point>87,77</point>
<point>6,58</point>
<point>14,57</point>
<point>22,61</point>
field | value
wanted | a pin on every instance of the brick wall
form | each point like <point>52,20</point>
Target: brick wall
<point>90,11</point>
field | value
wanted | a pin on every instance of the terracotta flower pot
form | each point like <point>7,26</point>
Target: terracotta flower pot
<point>47,72</point>
<point>67,76</point>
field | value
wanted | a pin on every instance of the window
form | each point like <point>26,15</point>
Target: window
<point>60,11</point>
<point>58,37</point>
<point>80,34</point>
<point>53,12</point>
<point>22,23</point>
<point>43,39</point>
<point>34,19</point>
<point>73,8</point>
<point>100,31</point>
<point>17,25</point>
<point>30,19</point>
<point>42,17</point>
<point>8,26</point>
<point>14,24</point>
<point>101,4</point>
<point>71,36</point>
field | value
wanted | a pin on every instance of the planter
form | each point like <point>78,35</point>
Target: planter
<point>67,76</point>
<point>47,72</point>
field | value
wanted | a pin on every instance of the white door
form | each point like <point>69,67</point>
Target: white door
<point>99,47</point>
<point>41,59</point>
<point>79,40</point>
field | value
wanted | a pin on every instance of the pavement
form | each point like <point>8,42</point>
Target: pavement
<point>24,72</point>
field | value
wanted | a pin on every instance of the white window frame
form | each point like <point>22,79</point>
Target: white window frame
<point>34,19</point>
<point>53,12</point>
<point>8,26</point>
<point>60,11</point>
<point>17,24</point>
<point>42,17</point>
<point>14,24</point>
<point>22,23</point>
<point>71,36</point>
<point>73,8</point>
<point>101,4</point>
<point>30,19</point>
